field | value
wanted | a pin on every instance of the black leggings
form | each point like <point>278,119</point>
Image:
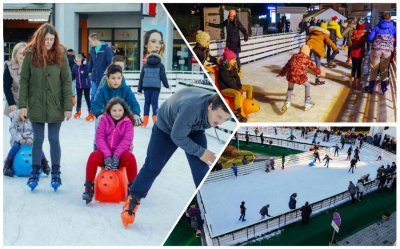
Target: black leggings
<point>356,67</point>
<point>86,91</point>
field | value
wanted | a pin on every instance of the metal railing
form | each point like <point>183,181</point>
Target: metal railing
<point>259,47</point>
<point>262,228</point>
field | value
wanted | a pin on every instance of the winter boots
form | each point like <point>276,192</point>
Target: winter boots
<point>7,169</point>
<point>55,177</point>
<point>371,87</point>
<point>34,178</point>
<point>77,114</point>
<point>89,192</point>
<point>318,81</point>
<point>90,117</point>
<point>129,210</point>
<point>145,121</point>
<point>45,166</point>
<point>238,115</point>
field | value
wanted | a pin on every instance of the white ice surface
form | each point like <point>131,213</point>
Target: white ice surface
<point>45,217</point>
<point>222,198</point>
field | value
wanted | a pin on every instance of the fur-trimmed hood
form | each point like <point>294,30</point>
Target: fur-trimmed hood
<point>316,28</point>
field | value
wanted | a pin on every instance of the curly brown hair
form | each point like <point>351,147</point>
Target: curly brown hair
<point>118,100</point>
<point>40,55</point>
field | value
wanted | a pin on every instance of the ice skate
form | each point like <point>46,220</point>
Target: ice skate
<point>308,105</point>
<point>90,117</point>
<point>77,114</point>
<point>331,64</point>
<point>318,81</point>
<point>55,177</point>
<point>33,180</point>
<point>129,210</point>
<point>89,191</point>
<point>7,170</point>
<point>285,106</point>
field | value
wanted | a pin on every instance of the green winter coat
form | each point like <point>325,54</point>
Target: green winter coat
<point>45,91</point>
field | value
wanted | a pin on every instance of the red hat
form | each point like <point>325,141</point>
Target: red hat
<point>229,54</point>
<point>334,18</point>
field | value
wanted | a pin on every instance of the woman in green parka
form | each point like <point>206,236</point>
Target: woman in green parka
<point>45,96</point>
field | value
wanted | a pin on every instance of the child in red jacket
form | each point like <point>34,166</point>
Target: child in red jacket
<point>114,138</point>
<point>296,73</point>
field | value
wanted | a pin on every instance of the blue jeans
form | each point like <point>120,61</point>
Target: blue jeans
<point>93,91</point>
<point>54,140</point>
<point>159,151</point>
<point>317,59</point>
<point>151,97</point>
<point>14,150</point>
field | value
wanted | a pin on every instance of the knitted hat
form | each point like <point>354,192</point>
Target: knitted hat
<point>232,12</point>
<point>334,18</point>
<point>202,38</point>
<point>305,49</point>
<point>229,54</point>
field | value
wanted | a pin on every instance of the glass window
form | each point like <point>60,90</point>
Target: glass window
<point>102,34</point>
<point>130,50</point>
<point>126,34</point>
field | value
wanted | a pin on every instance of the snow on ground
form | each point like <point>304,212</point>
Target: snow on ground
<point>222,198</point>
<point>45,217</point>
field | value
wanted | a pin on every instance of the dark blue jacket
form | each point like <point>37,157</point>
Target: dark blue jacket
<point>235,169</point>
<point>152,74</point>
<point>106,93</point>
<point>292,202</point>
<point>81,74</point>
<point>383,36</point>
<point>99,62</point>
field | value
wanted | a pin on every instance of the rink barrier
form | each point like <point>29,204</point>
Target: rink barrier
<point>386,154</point>
<point>259,47</point>
<point>393,86</point>
<point>174,79</point>
<point>258,230</point>
<point>224,174</point>
<point>285,143</point>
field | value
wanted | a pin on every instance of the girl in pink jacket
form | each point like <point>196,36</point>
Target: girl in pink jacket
<point>114,138</point>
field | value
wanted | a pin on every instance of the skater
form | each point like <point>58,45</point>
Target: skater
<point>306,211</point>
<point>316,156</point>
<point>151,76</point>
<point>296,71</point>
<point>181,122</point>
<point>242,212</point>
<point>114,138</point>
<point>382,181</point>
<point>276,130</point>
<point>267,165</point>
<point>21,133</point>
<point>342,141</point>
<point>380,156</point>
<point>360,189</point>
<point>317,40</point>
<point>100,57</point>
<point>272,163</point>
<point>291,137</point>
<point>45,64</point>
<point>234,169</point>
<point>262,137</point>
<point>380,171</point>
<point>327,159</point>
<point>336,153</point>
<point>202,49</point>
<point>364,178</point>
<point>353,163</point>
<point>357,153</point>
<point>115,87</point>
<point>303,132</point>
<point>233,26</point>
<point>244,160</point>
<point>292,201</point>
<point>349,151</point>
<point>382,37</point>
<point>11,77</point>
<point>353,190</point>
<point>283,161</point>
<point>334,30</point>
<point>247,137</point>
<point>264,212</point>
<point>256,131</point>
<point>393,167</point>
<point>230,84</point>
<point>80,74</point>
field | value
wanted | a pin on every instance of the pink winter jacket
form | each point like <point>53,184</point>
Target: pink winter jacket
<point>114,139</point>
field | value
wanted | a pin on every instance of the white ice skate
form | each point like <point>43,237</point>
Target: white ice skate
<point>286,106</point>
<point>308,105</point>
